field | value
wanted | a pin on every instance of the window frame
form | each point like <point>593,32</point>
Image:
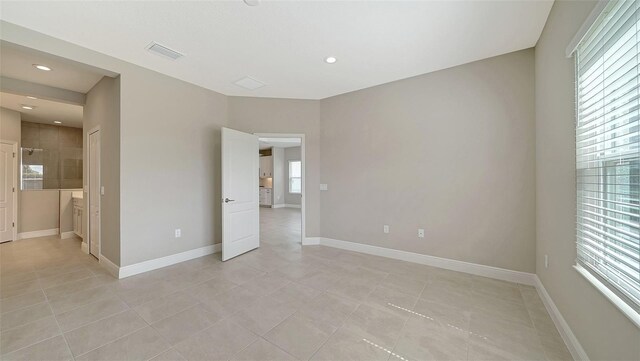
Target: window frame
<point>626,304</point>
<point>290,177</point>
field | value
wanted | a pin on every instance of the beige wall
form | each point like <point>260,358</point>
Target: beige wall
<point>170,165</point>
<point>268,115</point>
<point>10,125</point>
<point>292,153</point>
<point>278,175</point>
<point>604,332</point>
<point>38,210</point>
<point>451,152</point>
<point>102,108</point>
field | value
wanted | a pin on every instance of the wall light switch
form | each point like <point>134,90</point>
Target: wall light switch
<point>324,187</point>
<point>546,261</point>
<point>420,233</point>
<point>178,233</point>
<point>386,228</point>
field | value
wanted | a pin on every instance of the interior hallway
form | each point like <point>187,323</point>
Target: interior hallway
<point>279,302</point>
<point>280,226</point>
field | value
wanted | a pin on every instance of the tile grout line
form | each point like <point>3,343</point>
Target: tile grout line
<point>46,300</point>
<point>116,339</point>
<point>96,320</point>
<point>340,327</point>
<point>395,344</point>
<point>26,323</point>
<point>60,329</point>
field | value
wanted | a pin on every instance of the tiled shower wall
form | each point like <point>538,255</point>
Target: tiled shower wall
<point>58,149</point>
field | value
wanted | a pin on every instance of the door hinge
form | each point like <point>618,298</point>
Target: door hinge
<point>13,224</point>
<point>14,154</point>
<point>14,189</point>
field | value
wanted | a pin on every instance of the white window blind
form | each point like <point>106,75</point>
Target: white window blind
<point>607,152</point>
<point>295,176</point>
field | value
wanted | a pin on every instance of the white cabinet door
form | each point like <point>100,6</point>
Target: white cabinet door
<point>267,197</point>
<point>269,166</point>
<point>266,167</point>
<point>262,196</point>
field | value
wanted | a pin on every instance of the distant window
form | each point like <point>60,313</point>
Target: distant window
<point>295,176</point>
<point>607,151</point>
<point>32,176</point>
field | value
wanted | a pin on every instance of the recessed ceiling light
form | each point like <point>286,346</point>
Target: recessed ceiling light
<point>57,122</point>
<point>330,60</point>
<point>42,67</point>
<point>31,97</point>
<point>27,107</point>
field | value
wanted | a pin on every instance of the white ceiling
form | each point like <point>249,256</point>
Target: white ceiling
<point>46,111</point>
<point>266,143</point>
<point>284,43</point>
<point>17,63</point>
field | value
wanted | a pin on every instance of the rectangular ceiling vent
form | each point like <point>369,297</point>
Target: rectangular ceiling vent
<point>249,83</point>
<point>164,51</point>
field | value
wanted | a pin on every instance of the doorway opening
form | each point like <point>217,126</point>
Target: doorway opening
<point>281,181</point>
<point>50,108</point>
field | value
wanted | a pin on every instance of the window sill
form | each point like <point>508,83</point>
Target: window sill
<point>610,295</point>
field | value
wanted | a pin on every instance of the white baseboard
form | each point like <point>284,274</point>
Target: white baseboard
<point>65,235</point>
<point>111,267</point>
<point>569,338</point>
<point>161,262</point>
<point>286,206</point>
<point>454,265</point>
<point>42,233</point>
<point>84,247</point>
<point>311,241</point>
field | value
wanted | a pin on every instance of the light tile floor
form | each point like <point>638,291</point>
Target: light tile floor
<point>279,302</point>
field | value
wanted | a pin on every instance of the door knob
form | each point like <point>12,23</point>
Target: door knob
<point>227,200</point>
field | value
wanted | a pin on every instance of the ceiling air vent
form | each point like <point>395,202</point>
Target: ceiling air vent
<point>164,51</point>
<point>249,83</point>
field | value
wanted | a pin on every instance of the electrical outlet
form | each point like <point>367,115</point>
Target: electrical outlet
<point>546,261</point>
<point>386,228</point>
<point>178,233</point>
<point>420,233</point>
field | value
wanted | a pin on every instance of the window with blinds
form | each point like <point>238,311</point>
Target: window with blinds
<point>607,152</point>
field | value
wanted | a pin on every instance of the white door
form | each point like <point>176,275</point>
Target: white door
<point>240,208</point>
<point>7,178</point>
<point>94,194</point>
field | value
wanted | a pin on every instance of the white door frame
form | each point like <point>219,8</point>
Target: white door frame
<point>87,195</point>
<point>14,146</point>
<point>304,186</point>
